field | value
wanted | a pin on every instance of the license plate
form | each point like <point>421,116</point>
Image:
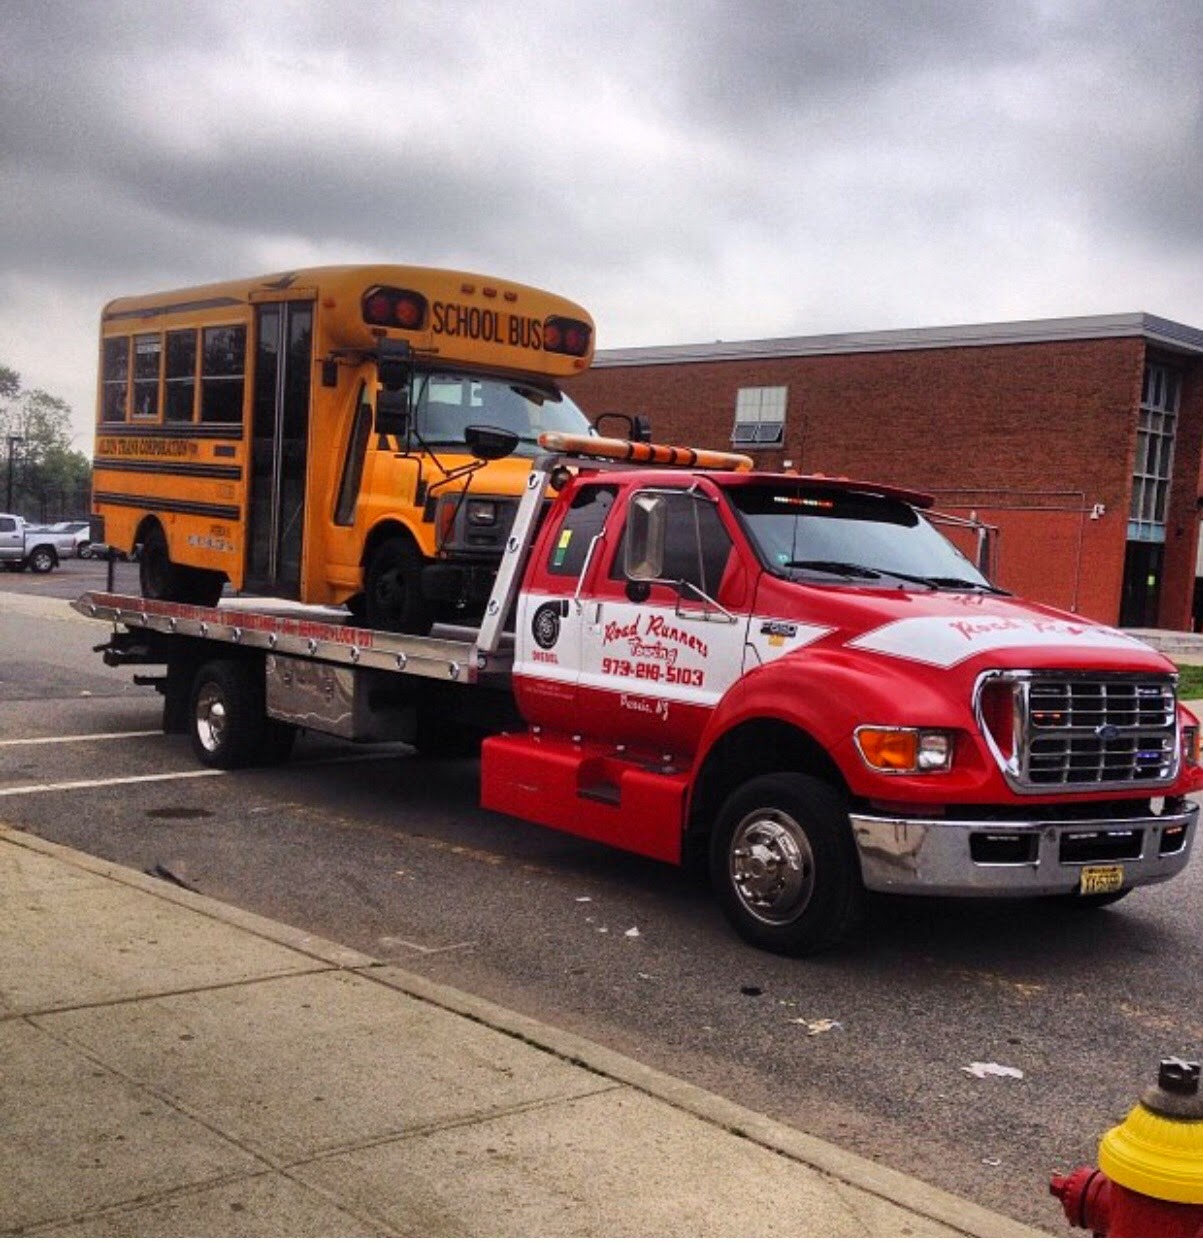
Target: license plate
<point>1102,878</point>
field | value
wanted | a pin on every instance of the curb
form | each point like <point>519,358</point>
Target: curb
<point>879,1180</point>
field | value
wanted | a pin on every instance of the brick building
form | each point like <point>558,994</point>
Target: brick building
<point>1080,439</point>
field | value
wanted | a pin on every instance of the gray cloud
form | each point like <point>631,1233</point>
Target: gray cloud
<point>689,170</point>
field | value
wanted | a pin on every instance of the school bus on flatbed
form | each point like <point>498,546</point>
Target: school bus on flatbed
<point>352,435</point>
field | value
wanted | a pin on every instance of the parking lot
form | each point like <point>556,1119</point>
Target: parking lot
<point>379,849</point>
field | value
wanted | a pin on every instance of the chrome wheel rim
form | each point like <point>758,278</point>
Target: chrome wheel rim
<point>771,865</point>
<point>211,720</point>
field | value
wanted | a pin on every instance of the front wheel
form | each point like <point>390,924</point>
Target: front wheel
<point>783,865</point>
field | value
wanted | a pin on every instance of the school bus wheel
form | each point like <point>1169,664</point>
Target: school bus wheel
<point>393,588</point>
<point>160,578</point>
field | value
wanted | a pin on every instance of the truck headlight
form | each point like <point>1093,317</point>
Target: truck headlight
<point>898,749</point>
<point>482,513</point>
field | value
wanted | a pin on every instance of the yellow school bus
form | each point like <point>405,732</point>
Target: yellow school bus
<point>336,435</point>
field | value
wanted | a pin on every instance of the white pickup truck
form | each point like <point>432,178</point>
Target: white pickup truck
<point>26,548</point>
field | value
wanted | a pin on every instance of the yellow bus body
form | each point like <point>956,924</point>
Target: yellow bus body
<point>236,417</point>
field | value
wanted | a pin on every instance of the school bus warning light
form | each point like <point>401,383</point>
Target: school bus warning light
<point>566,336</point>
<point>394,308</point>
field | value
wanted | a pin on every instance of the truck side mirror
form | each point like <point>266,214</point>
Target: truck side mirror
<point>647,527</point>
<point>638,427</point>
<point>394,371</point>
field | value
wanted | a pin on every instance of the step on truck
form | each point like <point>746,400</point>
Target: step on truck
<point>796,678</point>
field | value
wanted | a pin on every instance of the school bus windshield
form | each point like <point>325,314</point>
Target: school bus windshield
<point>446,402</point>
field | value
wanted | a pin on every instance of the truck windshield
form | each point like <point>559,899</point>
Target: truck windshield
<point>446,402</point>
<point>803,531</point>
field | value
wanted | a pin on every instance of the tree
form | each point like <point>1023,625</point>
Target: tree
<point>50,480</point>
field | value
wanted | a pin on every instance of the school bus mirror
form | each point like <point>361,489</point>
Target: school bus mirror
<point>392,412</point>
<point>490,443</point>
<point>647,526</point>
<point>393,363</point>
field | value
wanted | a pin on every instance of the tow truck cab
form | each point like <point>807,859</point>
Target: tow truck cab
<point>682,637</point>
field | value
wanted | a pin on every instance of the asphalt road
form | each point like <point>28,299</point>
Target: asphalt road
<point>378,849</point>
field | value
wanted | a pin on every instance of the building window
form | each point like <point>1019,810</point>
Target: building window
<point>760,416</point>
<point>1154,454</point>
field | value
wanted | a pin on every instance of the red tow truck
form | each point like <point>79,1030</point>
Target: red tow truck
<point>796,677</point>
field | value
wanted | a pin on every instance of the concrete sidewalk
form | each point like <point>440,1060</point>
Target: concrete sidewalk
<point>170,1065</point>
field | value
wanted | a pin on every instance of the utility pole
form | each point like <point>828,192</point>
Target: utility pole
<point>13,441</point>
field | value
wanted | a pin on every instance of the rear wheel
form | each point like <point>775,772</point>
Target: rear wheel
<point>393,597</point>
<point>160,578</point>
<point>784,866</point>
<point>227,723</point>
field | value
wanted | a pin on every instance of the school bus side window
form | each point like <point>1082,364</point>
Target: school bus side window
<point>352,477</point>
<point>179,381</point>
<point>223,369</point>
<point>148,360</point>
<point>115,369</point>
<point>585,518</point>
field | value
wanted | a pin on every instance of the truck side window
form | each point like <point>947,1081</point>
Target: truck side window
<point>585,518</point>
<point>696,548</point>
<point>8,524</point>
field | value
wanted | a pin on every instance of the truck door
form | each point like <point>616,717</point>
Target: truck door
<point>280,443</point>
<point>657,656</point>
<point>12,539</point>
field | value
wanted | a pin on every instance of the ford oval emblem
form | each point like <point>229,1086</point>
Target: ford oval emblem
<point>1107,733</point>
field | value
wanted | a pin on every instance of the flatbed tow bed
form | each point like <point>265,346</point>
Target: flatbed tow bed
<point>289,629</point>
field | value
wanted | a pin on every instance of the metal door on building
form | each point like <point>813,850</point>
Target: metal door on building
<point>1143,566</point>
<point>279,448</point>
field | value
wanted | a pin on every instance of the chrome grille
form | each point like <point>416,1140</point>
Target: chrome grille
<point>1087,731</point>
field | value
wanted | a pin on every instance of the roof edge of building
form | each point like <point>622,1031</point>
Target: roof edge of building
<point>1018,332</point>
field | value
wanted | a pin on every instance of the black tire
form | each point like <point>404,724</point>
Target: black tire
<point>42,560</point>
<point>227,723</point>
<point>393,589</point>
<point>783,865</point>
<point>160,578</point>
<point>85,552</point>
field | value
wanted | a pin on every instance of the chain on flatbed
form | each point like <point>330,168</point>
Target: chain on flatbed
<point>448,660</point>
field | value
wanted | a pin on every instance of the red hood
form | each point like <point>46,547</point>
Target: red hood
<point>961,631</point>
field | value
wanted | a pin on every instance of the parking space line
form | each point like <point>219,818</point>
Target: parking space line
<point>100,782</point>
<point>33,742</point>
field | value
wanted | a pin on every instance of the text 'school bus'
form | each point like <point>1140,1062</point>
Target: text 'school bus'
<point>355,435</point>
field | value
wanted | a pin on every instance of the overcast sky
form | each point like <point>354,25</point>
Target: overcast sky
<point>687,171</point>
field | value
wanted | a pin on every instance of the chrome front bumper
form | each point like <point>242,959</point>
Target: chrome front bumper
<point>1020,857</point>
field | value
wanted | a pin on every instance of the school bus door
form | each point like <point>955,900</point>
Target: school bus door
<point>279,446</point>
